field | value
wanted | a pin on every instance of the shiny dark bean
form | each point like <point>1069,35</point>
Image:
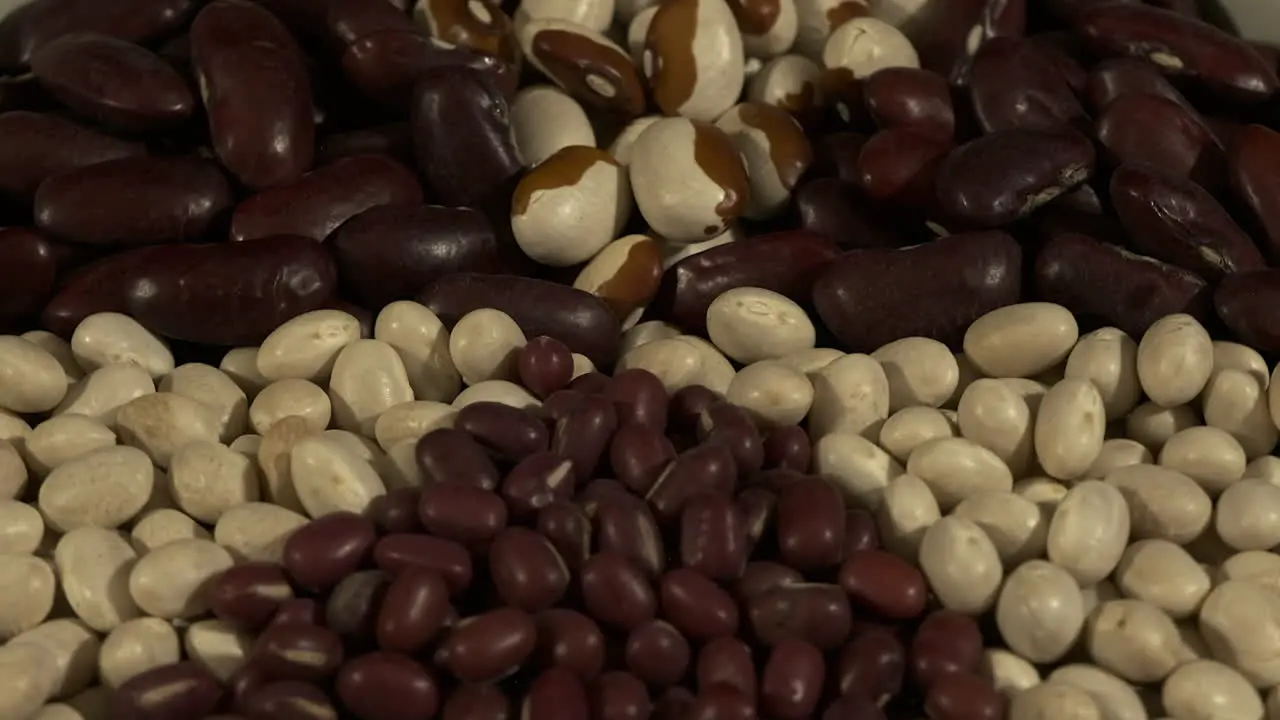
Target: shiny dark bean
<point>133,201</point>
<point>583,435</point>
<point>395,552</point>
<point>592,383</point>
<point>1014,84</point>
<point>229,293</point>
<point>25,32</point>
<point>788,447</point>
<point>1244,302</point>
<point>35,146</point>
<point>640,398</point>
<point>28,266</point>
<point>508,432</point>
<point>556,694</point>
<point>181,690</point>
<point>687,405</point>
<point>392,139</point>
<point>1177,221</point>
<point>726,661</point>
<point>697,606</point>
<point>657,653</point>
<point>872,665</point>
<point>414,608</point>
<point>350,20</point>
<point>397,511</point>
<point>713,537</point>
<point>791,682</point>
<point>298,652</point>
<point>1255,175</point>
<point>248,595</point>
<point>811,524</point>
<point>784,262</point>
<point>858,301</point>
<point>386,65</point>
<point>1115,78</point>
<point>624,525</point>
<point>571,640</point>
<point>299,610</point>
<point>489,646</point>
<point>758,507</point>
<point>465,513</point>
<point>1066,54</point>
<point>256,92</point>
<point>722,703</point>
<point>836,155</point>
<point>249,677</point>
<point>387,686</point>
<point>946,35</point>
<point>527,571</point>
<point>327,549</point>
<point>616,592</point>
<point>1184,145</point>
<point>900,164</point>
<point>853,707</point>
<point>619,695</point>
<point>776,479</point>
<point>960,696</point>
<point>537,481</point>
<point>860,531</point>
<point>288,700</point>
<point>638,454</point>
<point>885,584</point>
<point>946,642</point>
<point>351,609</point>
<point>707,468</point>
<point>814,612</point>
<point>911,98</point>
<point>838,211</point>
<point>453,456</point>
<point>545,365</point>
<point>476,702</point>
<point>729,425</point>
<point>568,527</point>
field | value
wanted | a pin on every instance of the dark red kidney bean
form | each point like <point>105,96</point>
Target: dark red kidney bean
<point>583,435</point>
<point>885,584</point>
<point>726,661</point>
<point>288,700</point>
<point>727,424</point>
<point>180,690</point>
<point>317,203</point>
<point>449,455</point>
<point>758,508</point>
<point>1004,176</point>
<point>872,665</point>
<point>299,610</point>
<point>851,295</point>
<point>398,551</point>
<point>465,513</point>
<point>256,92</point>
<point>707,468</point>
<point>1184,146</point>
<point>673,704</point>
<point>960,696</point>
<point>687,405</point>
<point>488,646</point>
<point>1177,221</point>
<point>476,702</point>
<point>785,262</point>
<point>28,267</point>
<point>414,609</point>
<point>624,525</point>
<point>1013,84</point>
<point>571,640</point>
<point>618,695</point>
<point>811,524</point>
<point>617,592</point>
<point>385,65</point>
<point>791,681</point>
<point>946,642</point>
<point>327,549</point>
<point>527,571</point>
<point>578,319</point>
<point>1255,176</point>
<point>600,490</point>
<point>697,606</point>
<point>836,154</point>
<point>788,447</point>
<point>397,511</point>
<point>911,98</point>
<point>535,482</point>
<point>352,608</point>
<point>387,686</point>
<point>568,527</point>
<point>133,201</point>
<point>722,703</point>
<point>944,33</point>
<point>350,20</point>
<point>775,480</point>
<point>298,652</point>
<point>1113,286</point>
<point>509,432</point>
<point>559,404</point>
<point>248,595</point>
<point>1214,59</point>
<point>838,211</point>
<point>657,653</point>
<point>853,707</point>
<point>98,286</point>
<point>249,677</point>
<point>640,398</point>
<point>592,383</point>
<point>556,694</point>
<point>713,537</point>
<point>899,164</point>
<point>1066,54</point>
<point>36,146</point>
<point>37,24</point>
<point>814,612</point>
<point>860,531</point>
<point>392,139</point>
<point>1243,302</point>
<point>229,293</point>
<point>462,136</point>
<point>638,454</point>
<point>1113,79</point>
<point>544,365</point>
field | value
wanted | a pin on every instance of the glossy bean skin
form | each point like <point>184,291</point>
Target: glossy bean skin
<point>618,695</point>
<point>298,652</point>
<point>28,267</point>
<point>462,512</point>
<point>351,610</point>
<point>415,608</point>
<point>1185,146</point>
<point>964,695</point>
<point>392,139</point>
<point>1112,79</point>
<point>657,653</point>
<point>249,595</point>
<point>398,551</point>
<point>640,398</point>
<point>321,553</point>
<point>185,689</point>
<point>478,702</point>
<point>488,646</point>
<point>838,210</point>
<point>813,612</point>
<point>884,583</point>
<point>133,201</point>
<point>852,297</point>
<point>697,606</point>
<point>811,520</point>
<point>510,433</point>
<point>708,468</point>
<point>942,32</point>
<point>23,33</point>
<point>386,65</point>
<point>229,293</point>
<point>1254,160</point>
<point>729,425</point>
<point>616,592</point>
<point>785,262</point>
<point>946,642</point>
<point>288,700</point>
<point>556,694</point>
<point>527,571</point>
<point>1179,222</point>
<point>713,537</point>
<point>638,454</point>
<point>582,321</point>
<point>910,98</point>
<point>35,146</point>
<point>1013,84</point>
<point>569,639</point>
<point>452,455</point>
<point>387,686</point>
<point>582,436</point>
<point>1243,303</point>
<point>623,524</point>
<point>791,682</point>
<point>900,164</point>
<point>872,664</point>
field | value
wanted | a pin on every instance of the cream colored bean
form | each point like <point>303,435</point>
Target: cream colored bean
<point>484,345</point>
<point>368,378</point>
<point>1008,673</point>
<point>674,362</point>
<point>1254,565</point>
<point>1021,340</point>
<point>569,207</point>
<point>911,427</point>
<point>1017,527</point>
<point>856,466</point>
<point>1210,549</point>
<point>27,590</point>
<point>13,471</point>
<point>1044,492</point>
<point>94,566</point>
<point>61,351</point>
<point>1115,698</point>
<point>105,488</point>
<point>1135,640</point>
<point>638,33</point>
<point>1070,428</point>
<point>715,372</point>
<point>1266,468</point>
<point>773,393</point>
<point>773,145</point>
<point>812,360</point>
<point>101,394</point>
<point>921,371</point>
<point>65,437</point>
<point>423,343</point>
<point>75,650</point>
<point>358,445</point>
<point>709,52</point>
<point>1164,575</point>
<point>674,252</point>
<point>625,274</point>
<point>160,423</point>
<point>1248,515</point>
<point>1234,356</point>
<point>1053,701</point>
<point>1108,358</point>
<point>622,146</point>
<point>216,389</point>
<point>1209,690</point>
<point>1240,620</point>
<point>864,45</point>
<point>291,397</point>
<point>31,380</point>
<point>402,464</point>
<point>1207,455</point>
<point>1089,531</point>
<point>1234,401</point>
<point>1040,611</point>
<point>159,527</point>
<point>217,646</point>
<point>28,679</point>
<point>850,394</point>
<point>1175,359</point>
<point>961,564</point>
<point>968,373</point>
<point>956,468</point>
<point>789,82</point>
<point>906,511</point>
<point>306,346</point>
<point>752,324</point>
<point>241,365</point>
<point>329,478</point>
<point>136,647</point>
<point>410,421</point>
<point>273,460</point>
<point>646,332</point>
<point>168,582</point>
<point>992,415</point>
<point>108,338</point>
<point>247,444</point>
<point>1153,425</point>
<point>256,532</point>
<point>545,119</point>
<point>1117,453</point>
<point>21,528</point>
<point>206,479</point>
<point>499,391</point>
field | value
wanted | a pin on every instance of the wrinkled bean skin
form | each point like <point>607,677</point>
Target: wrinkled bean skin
<point>1184,147</point>
<point>859,296</point>
<point>582,321</point>
<point>941,32</point>
<point>1179,222</point>
<point>133,201</point>
<point>910,98</point>
<point>256,92</point>
<point>24,32</point>
<point>229,293</point>
<point>1255,176</point>
<point>1013,84</point>
<point>96,287</point>
<point>785,262</point>
<point>1115,78</point>
<point>35,146</point>
<point>1243,301</point>
<point>1006,175</point>
<point>28,266</point>
<point>1180,45</point>
<point>184,690</point>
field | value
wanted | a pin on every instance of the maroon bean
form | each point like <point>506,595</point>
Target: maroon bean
<point>592,383</point>
<point>900,165</point>
<point>582,321</point>
<point>398,551</point>
<point>673,704</point>
<point>288,700</point>
<point>476,702</point>
<point>722,703</point>
<point>386,65</point>
<point>638,454</point>
<point>696,606</point>
<point>133,20</point>
<point>713,537</point>
<point>758,506</point>
<point>256,92</point>
<point>397,511</point>
<point>853,296</point>
<point>707,468</point>
<point>527,571</point>
<point>180,690</point>
<point>414,609</point>
<point>960,696</point>
<point>27,270</point>
<point>836,155</point>
<point>391,139</point>
<point>1066,54</point>
<point>556,694</point>
<point>860,531</point>
<point>618,695</point>
<point>872,665</point>
<point>387,686</point>
<point>1184,146</point>
<point>727,662</point>
<point>537,481</point>
<point>910,98</point>
<point>545,365</point>
<point>450,455</point>
<point>729,425</point>
<point>228,293</point>
<point>250,676</point>
<point>839,212</point>
<point>1014,84</point>
<point>687,405</point>
<point>508,432</point>
<point>248,595</point>
<point>853,707</point>
<point>624,525</point>
<point>488,646</point>
<point>352,607</point>
<point>568,528</point>
<point>947,35</point>
<point>814,612</point>
<point>788,447</point>
<point>616,592</point>
<point>761,575</point>
<point>791,682</point>
<point>350,20</point>
<point>1255,176</point>
<point>35,146</point>
<point>308,653</point>
<point>1118,77</point>
<point>583,435</point>
<point>463,513</point>
<point>946,642</point>
<point>299,610</point>
<point>1179,45</point>
<point>657,653</point>
<point>640,398</point>
<point>571,640</point>
<point>885,584</point>
<point>811,524</point>
<point>327,549</point>
<point>1242,304</point>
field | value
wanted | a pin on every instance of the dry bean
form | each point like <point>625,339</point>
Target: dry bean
<point>772,392</point>
<point>1109,359</point>
<point>65,437</point>
<point>1135,640</point>
<point>28,588</point>
<point>1117,453</point>
<point>856,466</point>
<point>1114,697</point>
<point>907,510</point>
<point>94,566</point>
<point>961,564</point>
<point>135,647</point>
<point>162,526</point>
<point>21,528</point>
<point>1162,503</point>
<point>1204,688</point>
<point>104,488</point>
<point>1152,425</point>
<point>30,677</point>
<point>912,427</point>
<point>921,371</point>
<point>169,581</point>
<point>1089,531</point>
<point>109,338</point>
<point>1207,455</point>
<point>545,120</point>
<point>752,324</point>
<point>1021,340</point>
<point>1174,361</point>
<point>850,394</point>
<point>160,423</point>
<point>992,414</point>
<point>1017,527</point>
<point>1040,611</point>
<point>75,651</point>
<point>1240,620</point>
<point>956,468</point>
<point>206,479</point>
<point>101,393</point>
<point>330,478</point>
<point>423,343</point>
<point>368,378</point>
<point>31,380</point>
<point>1070,428</point>
<point>217,390</point>
<point>291,397</point>
<point>217,646</point>
<point>1164,575</point>
<point>1234,401</point>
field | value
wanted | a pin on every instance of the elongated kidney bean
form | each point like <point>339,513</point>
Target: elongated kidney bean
<point>900,164</point>
<point>27,269</point>
<point>1013,84</point>
<point>32,27</point>
<point>35,146</point>
<point>943,32</point>
<point>508,432</point>
<point>1184,146</point>
<point>96,287</point>
<point>1246,302</point>
<point>1255,175</point>
<point>910,98</point>
<point>1115,78</point>
<point>840,212</point>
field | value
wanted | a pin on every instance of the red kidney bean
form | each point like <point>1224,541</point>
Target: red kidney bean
<point>28,266</point>
<point>308,653</point>
<point>687,405</point>
<point>545,365</point>
<point>98,286</point>
<point>556,694</point>
<point>856,300</point>
<point>398,551</point>
<point>31,27</point>
<point>465,513</point>
<point>1177,221</point>
<point>299,610</point>
<point>727,662</point>
<point>960,696</point>
<point>256,92</point>
<point>885,584</point>
<point>1243,302</point>
<point>785,262</point>
<point>397,511</point>
<point>351,610</point>
<point>657,653</point>
<point>527,571</point>
<point>133,201</point>
<point>1179,45</point>
<point>836,154</point>
<point>860,531</point>
<point>414,609</point>
<point>640,398</point>
<point>900,164</point>
<point>761,575</point>
<point>727,424</point>
<point>758,506</point>
<point>391,139</point>
<point>817,613</point>
<point>811,524</point>
<point>571,640</point>
<point>450,455</point>
<point>697,606</point>
<point>910,98</point>
<point>568,528</point>
<point>624,525</point>
<point>1066,54</point>
<point>592,383</point>
<point>243,682</point>
<point>327,549</point>
<point>1113,79</point>
<point>288,700</point>
<point>618,695</point>
<point>673,704</point>
<point>476,702</point>
<point>508,432</point>
<point>583,435</point>
<point>35,146</point>
<point>721,703</point>
<point>181,690</point>
<point>1014,84</point>
<point>1255,176</point>
<point>872,665</point>
<point>707,468</point>
<point>944,33</point>
<point>1184,146</point>
<point>788,448</point>
<point>616,592</point>
<point>946,642</point>
<point>638,454</point>
<point>853,707</point>
<point>791,682</point>
<point>535,482</point>
<point>350,20</point>
<point>248,595</point>
<point>387,686</point>
<point>713,537</point>
<point>839,212</point>
<point>489,646</point>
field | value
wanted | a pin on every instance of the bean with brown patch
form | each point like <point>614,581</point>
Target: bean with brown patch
<point>569,206</point>
<point>480,26</point>
<point>1246,302</point>
<point>1255,175</point>
<point>1154,130</point>
<point>39,24</point>
<point>693,58</point>
<point>586,64</point>
<point>625,273</point>
<point>1013,84</point>
<point>775,151</point>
